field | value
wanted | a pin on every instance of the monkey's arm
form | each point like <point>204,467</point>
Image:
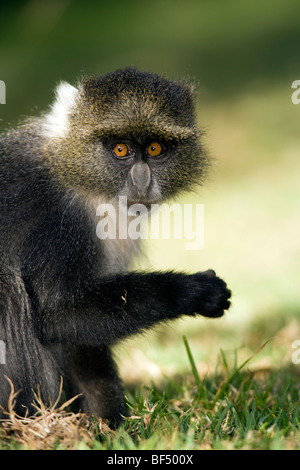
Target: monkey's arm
<point>122,305</point>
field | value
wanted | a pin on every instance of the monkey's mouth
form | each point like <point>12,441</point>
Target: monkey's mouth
<point>132,195</point>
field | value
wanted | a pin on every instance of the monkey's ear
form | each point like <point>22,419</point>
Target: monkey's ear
<point>93,88</point>
<point>190,89</point>
<point>56,122</point>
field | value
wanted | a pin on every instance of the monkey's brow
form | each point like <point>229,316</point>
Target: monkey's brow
<point>168,132</point>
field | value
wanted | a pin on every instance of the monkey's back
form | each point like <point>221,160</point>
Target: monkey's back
<point>48,251</point>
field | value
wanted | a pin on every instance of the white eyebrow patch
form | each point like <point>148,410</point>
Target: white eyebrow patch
<point>56,122</point>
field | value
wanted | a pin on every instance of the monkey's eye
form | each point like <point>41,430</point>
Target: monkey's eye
<point>122,150</point>
<point>155,149</point>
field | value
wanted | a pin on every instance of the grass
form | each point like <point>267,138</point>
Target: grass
<point>233,408</point>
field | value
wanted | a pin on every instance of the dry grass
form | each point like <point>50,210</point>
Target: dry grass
<point>50,428</point>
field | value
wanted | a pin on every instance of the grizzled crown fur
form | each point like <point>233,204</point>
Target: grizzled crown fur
<point>129,101</point>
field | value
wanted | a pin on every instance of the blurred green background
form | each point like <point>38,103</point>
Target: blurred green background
<point>243,57</point>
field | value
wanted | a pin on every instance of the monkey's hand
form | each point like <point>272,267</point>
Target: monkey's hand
<point>206,294</point>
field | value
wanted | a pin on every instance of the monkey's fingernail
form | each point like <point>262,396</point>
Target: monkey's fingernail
<point>210,273</point>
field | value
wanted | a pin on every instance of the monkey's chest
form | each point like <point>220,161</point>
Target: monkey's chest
<point>118,254</point>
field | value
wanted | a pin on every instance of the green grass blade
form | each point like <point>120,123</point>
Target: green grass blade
<point>193,365</point>
<point>229,380</point>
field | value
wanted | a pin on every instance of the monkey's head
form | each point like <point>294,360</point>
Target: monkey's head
<point>128,133</point>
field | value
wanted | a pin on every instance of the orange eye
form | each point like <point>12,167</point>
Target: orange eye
<point>155,149</point>
<point>121,150</point>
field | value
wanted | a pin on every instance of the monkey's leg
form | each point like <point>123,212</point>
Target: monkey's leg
<point>92,373</point>
<point>31,371</point>
<point>27,364</point>
<point>122,305</point>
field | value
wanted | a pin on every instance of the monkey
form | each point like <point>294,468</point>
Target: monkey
<point>67,297</point>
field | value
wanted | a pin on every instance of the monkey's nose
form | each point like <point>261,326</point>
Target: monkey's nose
<point>140,177</point>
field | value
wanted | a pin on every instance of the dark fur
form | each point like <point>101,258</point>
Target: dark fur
<point>62,303</point>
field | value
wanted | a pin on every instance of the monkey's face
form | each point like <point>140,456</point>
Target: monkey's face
<point>138,161</point>
<point>133,134</point>
<point>148,169</point>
